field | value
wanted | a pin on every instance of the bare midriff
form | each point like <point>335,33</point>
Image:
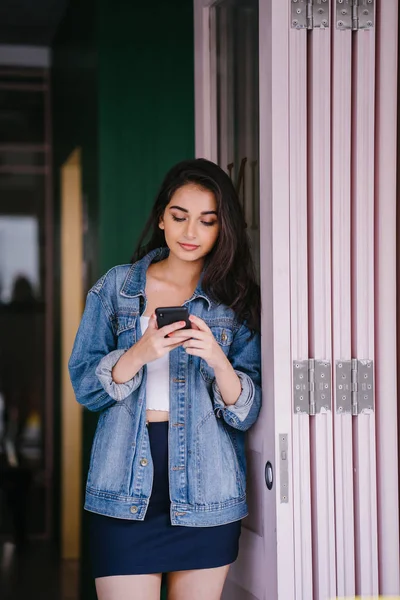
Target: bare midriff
<point>155,416</point>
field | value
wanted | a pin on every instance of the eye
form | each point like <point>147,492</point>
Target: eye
<point>209,223</point>
<point>179,219</point>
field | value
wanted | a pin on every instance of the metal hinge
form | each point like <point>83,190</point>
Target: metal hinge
<point>355,14</point>
<point>354,386</point>
<point>310,14</point>
<point>312,389</point>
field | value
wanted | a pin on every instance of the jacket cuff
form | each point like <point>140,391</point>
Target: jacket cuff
<point>117,391</point>
<point>243,404</point>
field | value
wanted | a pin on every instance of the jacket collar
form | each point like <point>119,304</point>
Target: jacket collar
<point>135,281</point>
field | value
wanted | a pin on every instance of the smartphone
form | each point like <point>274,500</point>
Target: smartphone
<point>171,314</point>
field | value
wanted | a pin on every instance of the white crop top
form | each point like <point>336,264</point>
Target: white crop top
<point>157,386</point>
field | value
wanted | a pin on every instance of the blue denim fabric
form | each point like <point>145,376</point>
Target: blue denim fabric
<point>207,465</point>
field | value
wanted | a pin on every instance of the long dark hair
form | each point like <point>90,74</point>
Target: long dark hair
<point>229,274</point>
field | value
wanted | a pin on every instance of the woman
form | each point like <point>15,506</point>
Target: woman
<point>166,483</point>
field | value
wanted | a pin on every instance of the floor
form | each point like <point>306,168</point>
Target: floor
<point>36,573</point>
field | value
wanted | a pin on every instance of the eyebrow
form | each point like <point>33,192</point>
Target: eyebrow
<point>205,212</point>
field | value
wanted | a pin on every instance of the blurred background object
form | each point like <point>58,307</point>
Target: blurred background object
<point>26,244</point>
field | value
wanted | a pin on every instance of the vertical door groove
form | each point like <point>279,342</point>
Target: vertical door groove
<point>341,300</point>
<point>363,159</point>
<point>319,203</point>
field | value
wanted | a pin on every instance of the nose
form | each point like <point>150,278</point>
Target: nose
<point>190,232</point>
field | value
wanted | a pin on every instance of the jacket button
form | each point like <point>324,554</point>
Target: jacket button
<point>224,337</point>
<point>134,509</point>
<point>144,462</point>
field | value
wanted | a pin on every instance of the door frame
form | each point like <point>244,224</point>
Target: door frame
<point>204,73</point>
<point>71,311</point>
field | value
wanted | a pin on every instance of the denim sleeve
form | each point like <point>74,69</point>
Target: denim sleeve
<point>93,357</point>
<point>245,358</point>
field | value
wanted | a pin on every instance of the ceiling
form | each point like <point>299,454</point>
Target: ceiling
<point>30,22</point>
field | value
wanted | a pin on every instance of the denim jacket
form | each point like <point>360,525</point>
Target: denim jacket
<point>207,465</point>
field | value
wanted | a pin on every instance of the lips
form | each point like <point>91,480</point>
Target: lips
<point>188,246</point>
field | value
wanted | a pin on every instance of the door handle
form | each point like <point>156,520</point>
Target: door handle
<point>269,475</point>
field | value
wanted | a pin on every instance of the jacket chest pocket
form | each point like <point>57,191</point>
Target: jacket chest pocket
<point>224,337</point>
<point>125,329</point>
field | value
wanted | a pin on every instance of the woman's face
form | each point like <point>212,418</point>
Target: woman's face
<point>190,222</point>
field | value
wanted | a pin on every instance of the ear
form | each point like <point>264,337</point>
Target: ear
<point>161,223</point>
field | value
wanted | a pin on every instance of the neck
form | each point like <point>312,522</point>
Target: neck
<point>180,272</point>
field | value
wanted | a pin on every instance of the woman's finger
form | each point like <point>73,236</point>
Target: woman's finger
<point>170,328</point>
<point>199,322</point>
<point>195,352</point>
<point>188,334</point>
<point>173,346</point>
<point>169,342</point>
<point>200,344</point>
<point>152,322</point>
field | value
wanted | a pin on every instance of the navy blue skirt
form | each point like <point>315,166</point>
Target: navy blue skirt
<point>123,547</point>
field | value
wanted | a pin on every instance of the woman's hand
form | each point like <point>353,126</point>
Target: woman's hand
<point>152,345</point>
<point>202,343</point>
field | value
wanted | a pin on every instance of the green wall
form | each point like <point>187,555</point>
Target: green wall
<point>146,112</point>
<point>123,91</point>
